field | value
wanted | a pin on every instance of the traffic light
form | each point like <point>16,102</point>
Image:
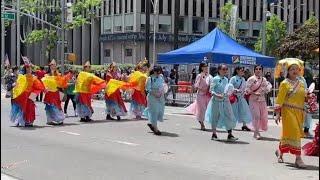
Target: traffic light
<point>69,18</point>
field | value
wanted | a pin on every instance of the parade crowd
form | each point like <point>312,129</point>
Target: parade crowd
<point>220,102</point>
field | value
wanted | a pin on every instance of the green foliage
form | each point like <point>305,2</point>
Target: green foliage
<point>275,32</point>
<point>301,42</point>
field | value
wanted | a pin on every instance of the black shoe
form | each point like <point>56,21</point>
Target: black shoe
<point>59,123</point>
<point>118,118</point>
<point>88,119</point>
<point>28,125</point>
<point>109,117</point>
<point>151,127</point>
<point>232,138</point>
<point>51,123</point>
<point>214,137</point>
<point>245,128</point>
<point>158,133</point>
<point>82,120</point>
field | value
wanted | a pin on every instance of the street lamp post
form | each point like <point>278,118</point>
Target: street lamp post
<point>18,33</point>
<point>264,18</point>
<point>154,4</point>
<point>62,34</point>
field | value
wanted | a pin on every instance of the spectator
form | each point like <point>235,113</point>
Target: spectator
<point>40,74</point>
<point>247,74</point>
<point>172,85</point>
<point>10,80</point>
<point>193,75</point>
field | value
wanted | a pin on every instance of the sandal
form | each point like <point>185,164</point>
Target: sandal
<point>280,159</point>
<point>203,128</point>
<point>300,164</point>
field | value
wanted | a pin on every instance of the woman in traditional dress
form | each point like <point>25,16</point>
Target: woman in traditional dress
<point>240,107</point>
<point>199,107</point>
<point>53,96</point>
<point>139,99</point>
<point>156,102</point>
<point>87,84</point>
<point>257,87</point>
<point>23,97</point>
<point>290,104</point>
<point>219,111</point>
<point>114,103</point>
<point>312,148</point>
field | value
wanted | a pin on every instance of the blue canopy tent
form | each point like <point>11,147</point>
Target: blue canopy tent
<point>217,47</point>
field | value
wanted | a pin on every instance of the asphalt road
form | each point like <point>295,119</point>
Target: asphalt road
<point>127,150</point>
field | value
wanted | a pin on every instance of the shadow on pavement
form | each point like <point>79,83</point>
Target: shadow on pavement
<point>232,142</point>
<point>34,127</point>
<point>168,134</point>
<point>308,168</point>
<point>268,139</point>
<point>64,124</point>
<point>209,130</point>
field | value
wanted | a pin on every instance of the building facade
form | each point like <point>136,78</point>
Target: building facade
<point>83,41</point>
<point>123,23</point>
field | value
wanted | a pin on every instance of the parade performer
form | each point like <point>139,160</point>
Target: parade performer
<point>114,103</point>
<point>139,99</point>
<point>155,99</point>
<point>87,84</point>
<point>290,104</point>
<point>198,108</point>
<point>312,148</point>
<point>257,87</point>
<point>239,104</point>
<point>69,92</point>
<point>23,97</point>
<point>54,83</point>
<point>219,111</point>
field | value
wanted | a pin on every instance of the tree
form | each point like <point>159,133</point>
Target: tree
<point>82,13</point>
<point>226,20</point>
<point>275,32</point>
<point>301,42</point>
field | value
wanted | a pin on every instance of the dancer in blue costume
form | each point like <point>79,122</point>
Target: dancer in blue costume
<point>155,99</point>
<point>219,111</point>
<point>240,107</point>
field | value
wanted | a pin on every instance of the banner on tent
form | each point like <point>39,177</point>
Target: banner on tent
<point>243,60</point>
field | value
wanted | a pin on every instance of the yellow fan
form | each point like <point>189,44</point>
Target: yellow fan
<point>21,86</point>
<point>50,83</point>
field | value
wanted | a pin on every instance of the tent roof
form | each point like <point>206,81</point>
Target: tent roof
<point>218,48</point>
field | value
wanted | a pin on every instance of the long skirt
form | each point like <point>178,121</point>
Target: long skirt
<point>312,148</point>
<point>219,114</point>
<point>84,108</point>
<point>155,109</point>
<point>259,114</point>
<point>53,107</point>
<point>138,103</point>
<point>292,122</point>
<point>115,105</point>
<point>21,116</point>
<point>241,110</point>
<point>198,108</point>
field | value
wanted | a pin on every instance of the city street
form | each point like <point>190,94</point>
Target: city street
<point>127,150</point>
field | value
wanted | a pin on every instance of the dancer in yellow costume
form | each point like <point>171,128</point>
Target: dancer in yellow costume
<point>290,104</point>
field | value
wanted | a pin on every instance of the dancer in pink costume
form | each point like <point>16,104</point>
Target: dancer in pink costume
<point>199,107</point>
<point>256,89</point>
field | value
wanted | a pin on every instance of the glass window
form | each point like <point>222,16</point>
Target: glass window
<point>181,24</point>
<point>164,28</point>
<point>142,27</point>
<point>169,7</point>
<point>186,6</point>
<point>202,8</point>
<point>194,7</point>
<point>128,52</point>
<point>160,5</point>
<point>107,52</point>
<point>129,28</point>
<point>211,26</point>
<point>131,6</point>
<point>117,28</point>
<point>210,8</point>
<point>143,6</point>
<point>255,33</point>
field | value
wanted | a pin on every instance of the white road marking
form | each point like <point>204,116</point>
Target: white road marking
<point>71,133</point>
<point>6,177</point>
<point>13,165</point>
<point>124,142</point>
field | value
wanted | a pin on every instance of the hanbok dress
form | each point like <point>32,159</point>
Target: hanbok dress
<point>198,108</point>
<point>219,112</point>
<point>114,103</point>
<point>257,103</point>
<point>155,99</point>
<point>23,97</point>
<point>52,99</point>
<point>87,84</point>
<point>240,107</point>
<point>138,99</point>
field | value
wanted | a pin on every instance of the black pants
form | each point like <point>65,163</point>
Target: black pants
<point>41,97</point>
<point>72,97</point>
